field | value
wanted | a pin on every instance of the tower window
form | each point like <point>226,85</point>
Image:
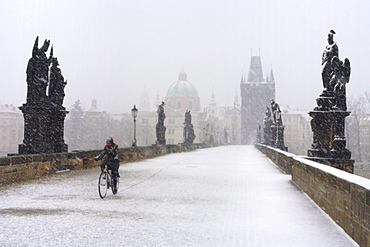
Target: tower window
<point>171,131</point>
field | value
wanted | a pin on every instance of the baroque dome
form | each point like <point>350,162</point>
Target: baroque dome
<point>182,88</point>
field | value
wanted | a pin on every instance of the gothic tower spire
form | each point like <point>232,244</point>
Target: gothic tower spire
<point>255,70</point>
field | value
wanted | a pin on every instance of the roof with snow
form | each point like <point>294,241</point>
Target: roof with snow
<point>7,111</point>
<point>286,110</point>
<point>5,108</point>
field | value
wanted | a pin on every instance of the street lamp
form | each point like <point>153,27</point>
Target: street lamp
<point>134,115</point>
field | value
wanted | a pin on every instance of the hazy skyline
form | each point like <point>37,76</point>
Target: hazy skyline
<point>112,50</point>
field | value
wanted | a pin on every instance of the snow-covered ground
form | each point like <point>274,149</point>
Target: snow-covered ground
<point>223,196</point>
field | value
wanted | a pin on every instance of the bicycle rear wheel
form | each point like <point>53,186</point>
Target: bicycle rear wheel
<point>103,184</point>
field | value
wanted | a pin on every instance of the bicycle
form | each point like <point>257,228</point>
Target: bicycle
<point>107,179</point>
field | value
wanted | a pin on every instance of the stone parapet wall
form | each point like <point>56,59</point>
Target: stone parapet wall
<point>24,167</point>
<point>345,197</point>
<point>282,159</point>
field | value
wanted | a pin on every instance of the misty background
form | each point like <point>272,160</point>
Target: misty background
<point>113,50</point>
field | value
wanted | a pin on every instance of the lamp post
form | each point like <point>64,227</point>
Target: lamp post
<point>134,115</point>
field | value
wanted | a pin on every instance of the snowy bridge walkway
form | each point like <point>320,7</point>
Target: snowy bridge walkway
<point>223,196</point>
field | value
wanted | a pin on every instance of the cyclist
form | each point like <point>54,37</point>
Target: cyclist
<point>110,151</point>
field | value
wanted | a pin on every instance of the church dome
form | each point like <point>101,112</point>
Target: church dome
<point>182,88</point>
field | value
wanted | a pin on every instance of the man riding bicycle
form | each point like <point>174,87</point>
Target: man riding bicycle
<point>111,159</point>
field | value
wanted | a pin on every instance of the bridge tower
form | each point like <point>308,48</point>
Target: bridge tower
<point>256,94</point>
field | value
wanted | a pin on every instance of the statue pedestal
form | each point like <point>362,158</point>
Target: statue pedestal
<point>280,138</point>
<point>341,164</point>
<point>160,131</point>
<point>267,133</point>
<point>56,130</point>
<point>277,136</point>
<point>43,129</point>
<point>273,135</point>
<point>329,141</point>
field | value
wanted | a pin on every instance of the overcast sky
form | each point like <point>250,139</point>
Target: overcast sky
<point>110,50</point>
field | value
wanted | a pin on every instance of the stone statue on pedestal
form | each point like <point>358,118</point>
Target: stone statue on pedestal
<point>277,127</point>
<point>160,128</point>
<point>335,75</point>
<point>330,51</point>
<point>328,118</point>
<point>275,109</point>
<point>267,122</point>
<point>43,114</point>
<point>57,84</point>
<point>38,73</point>
<point>339,78</point>
<point>189,135</point>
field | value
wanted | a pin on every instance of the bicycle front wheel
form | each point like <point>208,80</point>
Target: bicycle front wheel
<point>103,184</point>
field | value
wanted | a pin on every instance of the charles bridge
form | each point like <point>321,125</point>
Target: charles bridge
<point>345,197</point>
<point>325,174</point>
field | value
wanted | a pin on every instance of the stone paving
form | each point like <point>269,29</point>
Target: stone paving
<point>223,196</point>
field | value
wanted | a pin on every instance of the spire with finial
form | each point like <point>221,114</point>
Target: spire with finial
<point>182,76</point>
<point>242,79</point>
<point>213,98</point>
<point>271,77</point>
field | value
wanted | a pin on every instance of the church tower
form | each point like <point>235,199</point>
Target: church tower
<point>256,94</point>
<point>144,101</point>
<point>213,109</point>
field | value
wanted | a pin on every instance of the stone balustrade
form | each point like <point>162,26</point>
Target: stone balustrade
<point>24,167</point>
<point>345,197</point>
